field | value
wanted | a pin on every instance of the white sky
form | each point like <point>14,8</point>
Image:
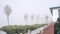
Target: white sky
<point>21,7</point>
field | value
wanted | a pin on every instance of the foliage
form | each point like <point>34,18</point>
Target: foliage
<point>57,26</point>
<point>18,29</point>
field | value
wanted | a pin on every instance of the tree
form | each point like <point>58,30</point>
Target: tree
<point>7,11</point>
<point>37,18</point>
<point>46,17</point>
<point>32,17</point>
<point>25,17</point>
<point>57,26</point>
<point>58,19</point>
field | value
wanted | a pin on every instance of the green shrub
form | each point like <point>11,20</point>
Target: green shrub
<point>18,29</point>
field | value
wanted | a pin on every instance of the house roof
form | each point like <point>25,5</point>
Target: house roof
<point>51,9</point>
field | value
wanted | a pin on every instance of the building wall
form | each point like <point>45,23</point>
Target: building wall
<point>59,13</point>
<point>48,30</point>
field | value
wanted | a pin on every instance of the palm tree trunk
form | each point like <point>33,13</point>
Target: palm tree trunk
<point>8,19</point>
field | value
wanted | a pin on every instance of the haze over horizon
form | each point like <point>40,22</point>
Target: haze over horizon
<point>21,7</point>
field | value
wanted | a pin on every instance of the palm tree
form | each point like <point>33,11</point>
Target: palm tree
<point>37,18</point>
<point>46,17</point>
<point>25,17</point>
<point>32,17</point>
<point>7,11</point>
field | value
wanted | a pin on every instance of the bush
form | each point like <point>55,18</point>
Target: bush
<point>18,29</point>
